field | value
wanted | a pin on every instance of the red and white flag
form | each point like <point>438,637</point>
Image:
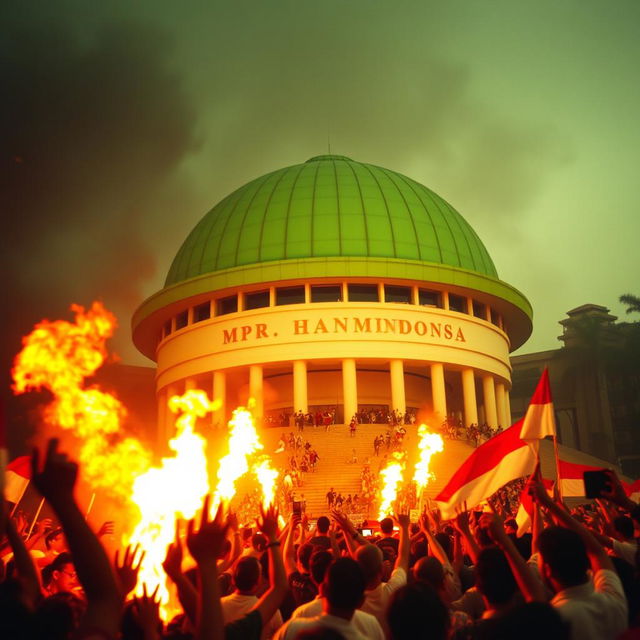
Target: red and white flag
<point>16,477</point>
<point>539,421</point>
<point>570,477</point>
<point>499,460</point>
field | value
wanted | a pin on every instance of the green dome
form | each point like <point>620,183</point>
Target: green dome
<point>330,206</point>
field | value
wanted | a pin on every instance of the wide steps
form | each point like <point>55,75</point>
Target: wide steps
<point>334,468</point>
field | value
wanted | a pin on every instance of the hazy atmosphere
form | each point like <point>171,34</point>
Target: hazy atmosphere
<point>122,124</point>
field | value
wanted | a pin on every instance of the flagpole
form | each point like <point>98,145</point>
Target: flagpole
<point>93,497</point>
<point>35,519</point>
<point>557,456</point>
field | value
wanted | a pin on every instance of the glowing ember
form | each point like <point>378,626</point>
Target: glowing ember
<point>169,492</point>
<point>267,478</point>
<point>243,442</point>
<point>392,478</point>
<point>429,444</point>
<point>58,356</point>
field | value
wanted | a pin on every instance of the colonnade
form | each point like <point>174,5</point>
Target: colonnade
<point>495,398</point>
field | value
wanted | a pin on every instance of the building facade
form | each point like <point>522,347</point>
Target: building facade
<point>335,283</point>
<point>595,379</point>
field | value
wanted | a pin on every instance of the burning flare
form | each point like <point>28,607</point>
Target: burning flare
<point>429,444</point>
<point>58,356</point>
<point>392,476</point>
<point>169,492</point>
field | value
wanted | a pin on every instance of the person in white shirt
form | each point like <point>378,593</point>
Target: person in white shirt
<point>247,578</point>
<point>595,606</point>
<point>343,593</point>
<point>319,564</point>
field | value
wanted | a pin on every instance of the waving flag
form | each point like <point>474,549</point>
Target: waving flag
<point>499,460</point>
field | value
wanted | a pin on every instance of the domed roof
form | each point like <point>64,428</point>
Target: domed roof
<point>330,206</point>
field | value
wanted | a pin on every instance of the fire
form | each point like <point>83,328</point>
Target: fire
<point>392,476</point>
<point>169,492</point>
<point>243,443</point>
<point>429,444</point>
<point>58,356</point>
<point>266,475</point>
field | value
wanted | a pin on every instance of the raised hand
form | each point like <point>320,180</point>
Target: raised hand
<point>205,545</point>
<point>268,522</point>
<point>403,520</point>
<point>461,523</point>
<point>57,478</point>
<point>146,612</point>
<point>172,563</point>
<point>127,572</point>
<point>494,524</point>
<point>106,529</point>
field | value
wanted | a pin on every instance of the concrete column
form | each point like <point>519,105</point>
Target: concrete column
<point>381,297</point>
<point>345,292</point>
<point>445,300</point>
<point>415,295</point>
<point>489,393</point>
<point>219,395</point>
<point>507,409</point>
<point>190,384</point>
<point>469,397</point>
<point>300,401</point>
<point>307,293</point>
<point>272,296</point>
<point>438,392</point>
<point>349,389</point>
<point>470,306</point>
<point>396,369</point>
<point>255,391</point>
<point>500,405</point>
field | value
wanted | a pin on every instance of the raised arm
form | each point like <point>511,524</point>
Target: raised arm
<point>25,568</point>
<point>597,555</point>
<point>529,585</point>
<point>205,546</point>
<point>404,546</point>
<point>352,538</point>
<point>172,565</point>
<point>56,482</point>
<point>273,597</point>
<point>461,524</point>
<point>435,548</point>
<point>289,550</point>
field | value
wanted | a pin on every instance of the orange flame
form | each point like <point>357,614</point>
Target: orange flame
<point>58,356</point>
<point>266,475</point>
<point>169,492</point>
<point>429,444</point>
<point>392,476</point>
<point>243,442</point>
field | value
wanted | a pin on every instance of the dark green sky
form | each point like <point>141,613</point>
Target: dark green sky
<point>127,121</point>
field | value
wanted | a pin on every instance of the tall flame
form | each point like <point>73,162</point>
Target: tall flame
<point>171,491</point>
<point>429,444</point>
<point>266,475</point>
<point>243,442</point>
<point>58,356</point>
<point>392,476</point>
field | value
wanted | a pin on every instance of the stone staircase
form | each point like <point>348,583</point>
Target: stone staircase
<point>334,469</point>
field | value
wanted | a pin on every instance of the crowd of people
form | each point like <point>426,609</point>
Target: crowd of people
<point>475,434</point>
<point>575,576</point>
<point>302,458</point>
